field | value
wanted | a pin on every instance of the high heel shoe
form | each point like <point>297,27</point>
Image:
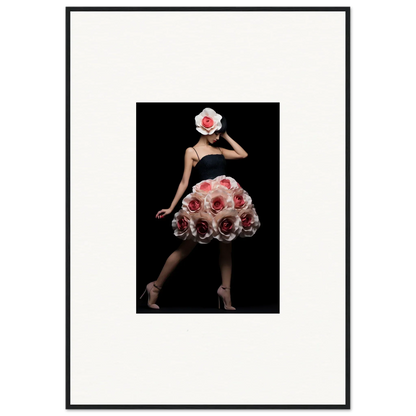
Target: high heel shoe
<point>226,298</point>
<point>148,289</point>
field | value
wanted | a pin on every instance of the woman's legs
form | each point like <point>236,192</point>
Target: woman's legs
<point>225,263</point>
<point>171,262</point>
<point>225,266</point>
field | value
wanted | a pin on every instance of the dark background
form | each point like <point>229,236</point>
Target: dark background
<point>164,131</point>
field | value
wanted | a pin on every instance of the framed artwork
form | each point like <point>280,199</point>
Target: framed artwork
<point>207,214</point>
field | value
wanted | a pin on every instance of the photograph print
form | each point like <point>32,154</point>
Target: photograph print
<point>207,207</point>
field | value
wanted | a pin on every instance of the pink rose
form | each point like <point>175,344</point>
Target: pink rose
<point>181,224</point>
<point>208,121</point>
<point>193,202</point>
<point>238,201</point>
<point>226,183</point>
<point>205,186</point>
<point>217,204</point>
<point>250,221</point>
<point>216,200</point>
<point>194,205</point>
<point>246,220</point>
<point>202,227</point>
<point>228,225</point>
<point>241,199</point>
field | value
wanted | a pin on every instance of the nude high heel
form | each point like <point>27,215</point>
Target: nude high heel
<point>148,289</point>
<point>226,298</point>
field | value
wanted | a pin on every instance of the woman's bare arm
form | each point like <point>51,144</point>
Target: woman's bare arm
<point>183,184</point>
<point>237,153</point>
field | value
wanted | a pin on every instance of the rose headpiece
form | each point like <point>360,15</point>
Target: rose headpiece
<point>208,121</point>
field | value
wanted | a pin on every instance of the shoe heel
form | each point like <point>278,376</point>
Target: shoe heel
<point>226,307</point>
<point>143,293</point>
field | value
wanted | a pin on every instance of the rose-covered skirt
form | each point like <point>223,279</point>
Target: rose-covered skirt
<point>216,208</point>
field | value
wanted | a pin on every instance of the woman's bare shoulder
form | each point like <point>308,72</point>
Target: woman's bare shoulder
<point>189,151</point>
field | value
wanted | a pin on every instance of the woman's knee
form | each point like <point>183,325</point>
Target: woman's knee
<point>185,249</point>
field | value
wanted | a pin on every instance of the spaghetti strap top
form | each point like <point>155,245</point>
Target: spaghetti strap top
<point>207,155</point>
<point>197,153</point>
<point>210,166</point>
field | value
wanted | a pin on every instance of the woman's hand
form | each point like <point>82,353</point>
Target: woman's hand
<point>163,212</point>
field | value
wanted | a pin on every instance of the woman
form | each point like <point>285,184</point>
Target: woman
<point>218,207</point>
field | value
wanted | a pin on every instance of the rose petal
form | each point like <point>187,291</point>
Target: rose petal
<point>197,187</point>
<point>209,112</point>
<point>212,113</point>
<point>207,122</point>
<point>240,194</point>
<point>205,186</point>
<point>250,230</point>
<point>181,225</point>
<point>216,195</point>
<point>202,131</point>
<point>191,201</point>
<point>203,227</point>
<point>226,183</point>
<point>225,233</point>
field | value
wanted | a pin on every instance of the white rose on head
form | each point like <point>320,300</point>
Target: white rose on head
<point>208,121</point>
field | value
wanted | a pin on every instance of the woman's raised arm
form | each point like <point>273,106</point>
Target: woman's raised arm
<point>237,153</point>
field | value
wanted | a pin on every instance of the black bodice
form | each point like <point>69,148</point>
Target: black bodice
<point>210,166</point>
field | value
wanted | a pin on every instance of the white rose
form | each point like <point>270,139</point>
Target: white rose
<point>202,227</point>
<point>181,224</point>
<point>250,222</point>
<point>226,182</point>
<point>193,202</point>
<point>228,225</point>
<point>217,200</point>
<point>242,199</point>
<point>208,121</point>
<point>204,186</point>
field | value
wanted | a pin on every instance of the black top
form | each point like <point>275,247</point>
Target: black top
<point>210,166</point>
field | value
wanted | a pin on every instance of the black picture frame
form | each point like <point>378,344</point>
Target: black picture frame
<point>349,407</point>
